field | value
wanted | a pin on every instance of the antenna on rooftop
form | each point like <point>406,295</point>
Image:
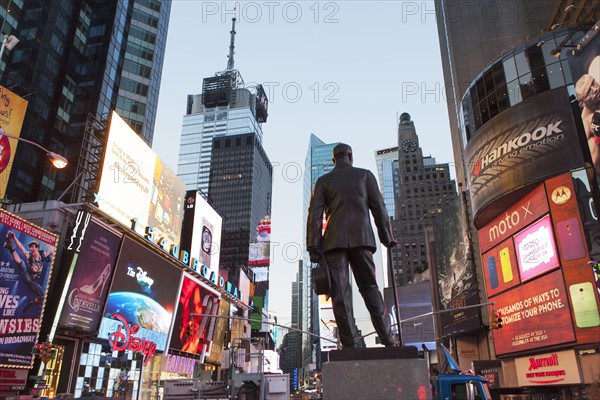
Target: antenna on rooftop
<point>231,45</point>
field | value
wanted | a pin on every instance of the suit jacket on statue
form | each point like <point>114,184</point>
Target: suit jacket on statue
<point>346,194</point>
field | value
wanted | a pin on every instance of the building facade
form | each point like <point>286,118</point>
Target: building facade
<point>387,171</point>
<point>538,83</point>
<point>74,59</point>
<point>425,187</point>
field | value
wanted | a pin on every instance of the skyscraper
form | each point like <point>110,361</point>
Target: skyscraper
<point>75,59</point>
<point>319,161</point>
<point>225,108</point>
<point>425,187</point>
<point>387,171</point>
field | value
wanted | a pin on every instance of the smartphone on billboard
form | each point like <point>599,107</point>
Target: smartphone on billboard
<point>584,305</point>
<point>570,241</point>
<point>206,242</point>
<point>507,274</point>
<point>493,274</point>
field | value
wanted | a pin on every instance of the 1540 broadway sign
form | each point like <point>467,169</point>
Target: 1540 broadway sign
<point>526,144</point>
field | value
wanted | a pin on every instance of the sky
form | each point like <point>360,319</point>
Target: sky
<point>342,70</point>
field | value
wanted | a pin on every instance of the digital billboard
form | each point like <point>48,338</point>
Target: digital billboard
<point>327,325</point>
<point>12,113</point>
<point>500,268</point>
<point>95,252</point>
<point>455,270</point>
<point>534,315</point>
<point>25,269</point>
<point>536,139</point>
<point>194,333</point>
<point>201,231</point>
<point>536,251</point>
<point>262,104</point>
<point>259,252</point>
<point>136,184</point>
<point>143,294</point>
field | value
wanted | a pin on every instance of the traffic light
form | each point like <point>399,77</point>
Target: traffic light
<point>495,319</point>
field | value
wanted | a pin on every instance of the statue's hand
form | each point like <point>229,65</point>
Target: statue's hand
<point>392,243</point>
<point>315,255</point>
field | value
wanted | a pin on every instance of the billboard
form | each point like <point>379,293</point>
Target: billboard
<point>12,113</point>
<point>536,250</point>
<point>262,104</point>
<point>327,325</point>
<point>259,252</point>
<point>143,294</point>
<point>194,334</point>
<point>201,231</point>
<point>548,369</point>
<point>27,258</point>
<point>455,270</point>
<point>500,268</point>
<point>415,300</point>
<point>537,139</point>
<point>94,254</point>
<point>135,183</point>
<point>534,315</point>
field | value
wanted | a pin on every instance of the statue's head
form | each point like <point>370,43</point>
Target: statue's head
<point>342,152</point>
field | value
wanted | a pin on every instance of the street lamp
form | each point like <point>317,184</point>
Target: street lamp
<point>56,159</point>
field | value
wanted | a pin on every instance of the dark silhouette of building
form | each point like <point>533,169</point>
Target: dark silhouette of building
<point>75,59</point>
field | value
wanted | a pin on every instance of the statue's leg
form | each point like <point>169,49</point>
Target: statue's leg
<point>363,268</point>
<point>341,297</point>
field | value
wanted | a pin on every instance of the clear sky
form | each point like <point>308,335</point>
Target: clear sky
<point>342,70</point>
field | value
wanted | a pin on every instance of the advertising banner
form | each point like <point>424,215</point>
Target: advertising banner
<point>13,379</point>
<point>536,250</point>
<point>257,312</point>
<point>514,218</point>
<point>218,340</point>
<point>94,262</point>
<point>490,370</point>
<point>142,297</point>
<point>12,113</point>
<point>27,258</point>
<point>500,268</point>
<point>548,369</point>
<point>533,315</point>
<point>537,139</point>
<point>415,300</point>
<point>259,253</point>
<point>201,231</point>
<point>194,333</point>
<point>579,274</point>
<point>455,270</point>
<point>135,183</point>
<point>327,325</point>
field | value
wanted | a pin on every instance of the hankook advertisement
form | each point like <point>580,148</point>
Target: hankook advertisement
<point>534,140</point>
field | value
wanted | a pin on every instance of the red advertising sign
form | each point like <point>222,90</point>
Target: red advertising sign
<point>123,339</point>
<point>534,315</point>
<point>515,218</point>
<point>536,251</point>
<point>579,276</point>
<point>500,268</point>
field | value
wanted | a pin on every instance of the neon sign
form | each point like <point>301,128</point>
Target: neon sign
<point>123,339</point>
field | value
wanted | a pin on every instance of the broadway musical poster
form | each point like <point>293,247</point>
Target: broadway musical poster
<point>27,255</point>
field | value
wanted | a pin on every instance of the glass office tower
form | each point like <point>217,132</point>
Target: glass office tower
<point>387,171</point>
<point>75,59</point>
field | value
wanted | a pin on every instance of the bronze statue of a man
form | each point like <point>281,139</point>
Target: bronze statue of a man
<point>346,195</point>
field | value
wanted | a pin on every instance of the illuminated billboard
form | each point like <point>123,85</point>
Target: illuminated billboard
<point>500,268</point>
<point>259,252</point>
<point>536,251</point>
<point>12,113</point>
<point>262,104</point>
<point>143,293</point>
<point>136,184</point>
<point>25,268</point>
<point>94,254</point>
<point>534,315</point>
<point>193,333</point>
<point>535,140</point>
<point>327,325</point>
<point>201,231</point>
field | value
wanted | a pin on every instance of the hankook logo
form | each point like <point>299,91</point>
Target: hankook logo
<point>525,141</point>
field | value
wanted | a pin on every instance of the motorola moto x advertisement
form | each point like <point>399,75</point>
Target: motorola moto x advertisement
<point>535,140</point>
<point>143,292</point>
<point>95,252</point>
<point>192,329</point>
<point>25,267</point>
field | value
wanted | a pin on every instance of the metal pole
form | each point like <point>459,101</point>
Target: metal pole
<point>392,274</point>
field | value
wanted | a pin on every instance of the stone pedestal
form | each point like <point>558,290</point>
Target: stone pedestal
<point>374,374</point>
